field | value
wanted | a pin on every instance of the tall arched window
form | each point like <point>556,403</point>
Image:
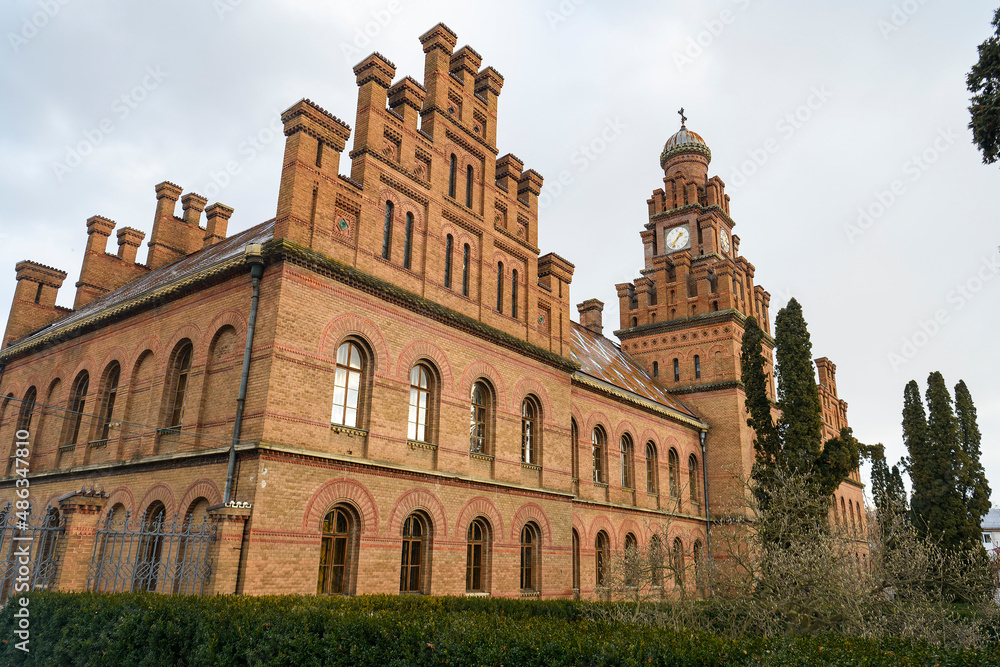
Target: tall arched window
<point>674,464</point>
<point>693,479</point>
<point>468,186</point>
<point>420,401</point>
<point>336,552</point>
<point>650,467</point>
<point>656,369</point>
<point>513,294</point>
<point>499,287</point>
<point>77,404</point>
<point>602,553</point>
<point>678,563</point>
<point>529,557</point>
<point>529,430</point>
<point>576,560</point>
<point>415,547</point>
<point>149,553</point>
<point>179,385</point>
<point>700,566</point>
<point>598,440</point>
<point>466,252</point>
<point>677,370</point>
<point>347,384</point>
<point>628,476</point>
<point>479,421</point>
<point>574,449</point>
<point>477,556</point>
<point>453,165</point>
<point>109,394</point>
<point>630,559</point>
<point>697,367</point>
<point>836,515</point>
<point>408,241</point>
<point>387,232</point>
<point>24,416</point>
<point>656,560</point>
<point>448,246</point>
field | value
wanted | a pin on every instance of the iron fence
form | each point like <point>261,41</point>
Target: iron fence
<point>28,549</point>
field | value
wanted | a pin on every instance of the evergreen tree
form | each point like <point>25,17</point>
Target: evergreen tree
<point>800,426</point>
<point>920,461</point>
<point>983,81</point>
<point>887,484</point>
<point>766,442</point>
<point>946,517</point>
<point>973,485</point>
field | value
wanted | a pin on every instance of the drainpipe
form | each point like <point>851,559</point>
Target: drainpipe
<point>708,514</point>
<point>252,255</point>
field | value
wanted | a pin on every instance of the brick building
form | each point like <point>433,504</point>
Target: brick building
<point>381,389</point>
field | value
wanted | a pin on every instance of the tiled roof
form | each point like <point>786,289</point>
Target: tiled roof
<point>601,359</point>
<point>992,519</point>
<point>214,257</point>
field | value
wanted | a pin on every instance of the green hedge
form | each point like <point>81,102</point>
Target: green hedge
<point>385,631</point>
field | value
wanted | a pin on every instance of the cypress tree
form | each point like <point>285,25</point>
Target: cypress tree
<point>758,405</point>
<point>973,485</point>
<point>800,426</point>
<point>920,461</point>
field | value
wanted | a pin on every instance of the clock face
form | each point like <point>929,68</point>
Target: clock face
<point>724,240</point>
<point>677,238</point>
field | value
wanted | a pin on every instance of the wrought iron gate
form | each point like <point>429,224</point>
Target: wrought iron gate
<point>152,555</point>
<point>28,549</point>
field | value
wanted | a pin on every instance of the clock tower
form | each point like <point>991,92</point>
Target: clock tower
<point>683,318</point>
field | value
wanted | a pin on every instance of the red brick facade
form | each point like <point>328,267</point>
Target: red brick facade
<point>424,258</point>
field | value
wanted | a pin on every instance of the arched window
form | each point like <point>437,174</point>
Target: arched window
<point>500,287</point>
<point>415,538</point>
<point>408,241</point>
<point>843,511</point>
<point>477,556</point>
<point>468,186</point>
<point>651,468</point>
<point>602,552</point>
<point>24,415</point>
<point>108,397</point>
<point>628,477</point>
<point>466,252</point>
<point>150,549</point>
<point>836,515</point>
<point>451,175</point>
<point>635,321</point>
<point>700,566</point>
<point>631,559</point>
<point>529,557</point>
<point>513,294</point>
<point>574,449</point>
<point>479,423</point>
<point>656,369</point>
<point>529,430</point>
<point>677,371</point>
<point>697,367</point>
<point>387,232</point>
<point>674,464</point>
<point>598,440</point>
<point>347,384</point>
<point>179,385</point>
<point>576,560</point>
<point>420,402</point>
<point>336,560</point>
<point>656,560</point>
<point>693,479</point>
<point>678,563</point>
<point>448,245</point>
<point>77,404</point>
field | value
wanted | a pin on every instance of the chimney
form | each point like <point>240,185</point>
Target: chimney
<point>34,303</point>
<point>218,221</point>
<point>193,205</point>
<point>129,240</point>
<point>590,315</point>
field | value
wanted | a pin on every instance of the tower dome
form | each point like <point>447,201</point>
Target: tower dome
<point>687,152</point>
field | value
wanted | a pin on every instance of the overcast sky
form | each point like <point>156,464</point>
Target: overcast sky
<point>840,130</point>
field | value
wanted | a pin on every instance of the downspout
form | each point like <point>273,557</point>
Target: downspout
<point>708,514</point>
<point>252,256</point>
